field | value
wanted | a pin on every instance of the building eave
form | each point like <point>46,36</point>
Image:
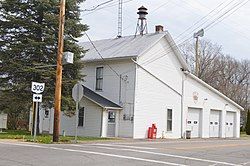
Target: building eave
<point>109,59</point>
<point>214,90</point>
<point>177,52</point>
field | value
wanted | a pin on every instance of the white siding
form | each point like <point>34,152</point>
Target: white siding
<point>153,97</point>
<point>43,121</point>
<point>208,100</point>
<point>3,121</point>
<point>92,121</point>
<point>114,88</point>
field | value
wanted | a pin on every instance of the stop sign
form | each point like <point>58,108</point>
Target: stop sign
<point>77,92</point>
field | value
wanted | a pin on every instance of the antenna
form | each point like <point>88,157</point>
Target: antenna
<point>119,19</point>
<point>142,21</point>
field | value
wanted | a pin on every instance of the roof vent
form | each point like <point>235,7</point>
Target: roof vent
<point>158,28</point>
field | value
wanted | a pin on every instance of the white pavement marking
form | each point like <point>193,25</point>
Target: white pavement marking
<point>124,146</point>
<point>245,163</point>
<point>180,141</point>
<point>97,153</point>
<point>168,155</point>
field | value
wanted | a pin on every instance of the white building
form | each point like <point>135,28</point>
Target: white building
<point>134,81</point>
<point>3,121</point>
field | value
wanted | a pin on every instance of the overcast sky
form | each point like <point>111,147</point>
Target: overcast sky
<point>233,32</point>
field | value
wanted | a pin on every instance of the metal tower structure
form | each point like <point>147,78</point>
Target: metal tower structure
<point>142,21</point>
<point>120,19</point>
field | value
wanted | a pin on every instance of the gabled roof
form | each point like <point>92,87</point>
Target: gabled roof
<point>99,100</point>
<point>129,47</point>
<point>126,47</point>
<point>123,47</point>
<point>214,90</point>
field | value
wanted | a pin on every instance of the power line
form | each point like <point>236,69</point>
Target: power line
<point>227,25</point>
<point>97,6</point>
<point>169,48</point>
<point>194,25</point>
<point>101,55</point>
<point>200,19</point>
<point>240,4</point>
<point>238,7</point>
<point>172,45</point>
<point>213,15</point>
<point>111,4</point>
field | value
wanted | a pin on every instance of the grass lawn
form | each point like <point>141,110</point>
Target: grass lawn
<point>244,135</point>
<point>44,138</point>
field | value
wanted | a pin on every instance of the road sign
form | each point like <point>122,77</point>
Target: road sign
<point>37,98</point>
<point>77,92</point>
<point>37,87</point>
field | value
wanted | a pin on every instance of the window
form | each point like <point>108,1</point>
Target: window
<point>99,78</point>
<point>81,117</point>
<point>111,117</point>
<point>169,120</point>
<point>46,113</point>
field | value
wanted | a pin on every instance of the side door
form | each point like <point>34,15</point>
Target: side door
<point>111,123</point>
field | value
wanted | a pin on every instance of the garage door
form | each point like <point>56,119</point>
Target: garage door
<point>214,126</point>
<point>193,122</point>
<point>230,124</point>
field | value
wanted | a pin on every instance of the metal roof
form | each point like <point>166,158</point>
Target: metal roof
<point>99,100</point>
<point>123,47</point>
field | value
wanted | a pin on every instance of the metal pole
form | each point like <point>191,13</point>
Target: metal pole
<point>197,58</point>
<point>141,29</point>
<point>247,96</point>
<point>76,122</point>
<point>33,118</point>
<point>35,126</point>
<point>58,88</point>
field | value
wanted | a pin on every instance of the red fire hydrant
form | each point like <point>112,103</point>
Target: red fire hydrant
<point>152,131</point>
<point>154,128</point>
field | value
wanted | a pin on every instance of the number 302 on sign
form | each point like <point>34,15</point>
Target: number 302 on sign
<point>37,87</point>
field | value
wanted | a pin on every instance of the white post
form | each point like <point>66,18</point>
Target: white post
<point>117,116</point>
<point>104,123</point>
<point>35,126</point>
<point>76,121</point>
<point>223,122</point>
<point>237,125</point>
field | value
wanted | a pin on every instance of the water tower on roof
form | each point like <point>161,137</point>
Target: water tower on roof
<point>142,21</point>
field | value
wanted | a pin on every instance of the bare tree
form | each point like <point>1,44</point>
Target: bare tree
<point>226,74</point>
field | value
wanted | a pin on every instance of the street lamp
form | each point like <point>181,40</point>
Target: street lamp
<point>198,34</point>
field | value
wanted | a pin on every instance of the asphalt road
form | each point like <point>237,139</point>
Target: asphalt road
<point>196,152</point>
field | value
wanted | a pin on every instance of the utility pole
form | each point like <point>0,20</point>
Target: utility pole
<point>198,34</point>
<point>58,88</point>
<point>197,57</point>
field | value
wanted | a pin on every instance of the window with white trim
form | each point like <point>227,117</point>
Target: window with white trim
<point>81,117</point>
<point>169,119</point>
<point>111,116</point>
<point>99,78</point>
